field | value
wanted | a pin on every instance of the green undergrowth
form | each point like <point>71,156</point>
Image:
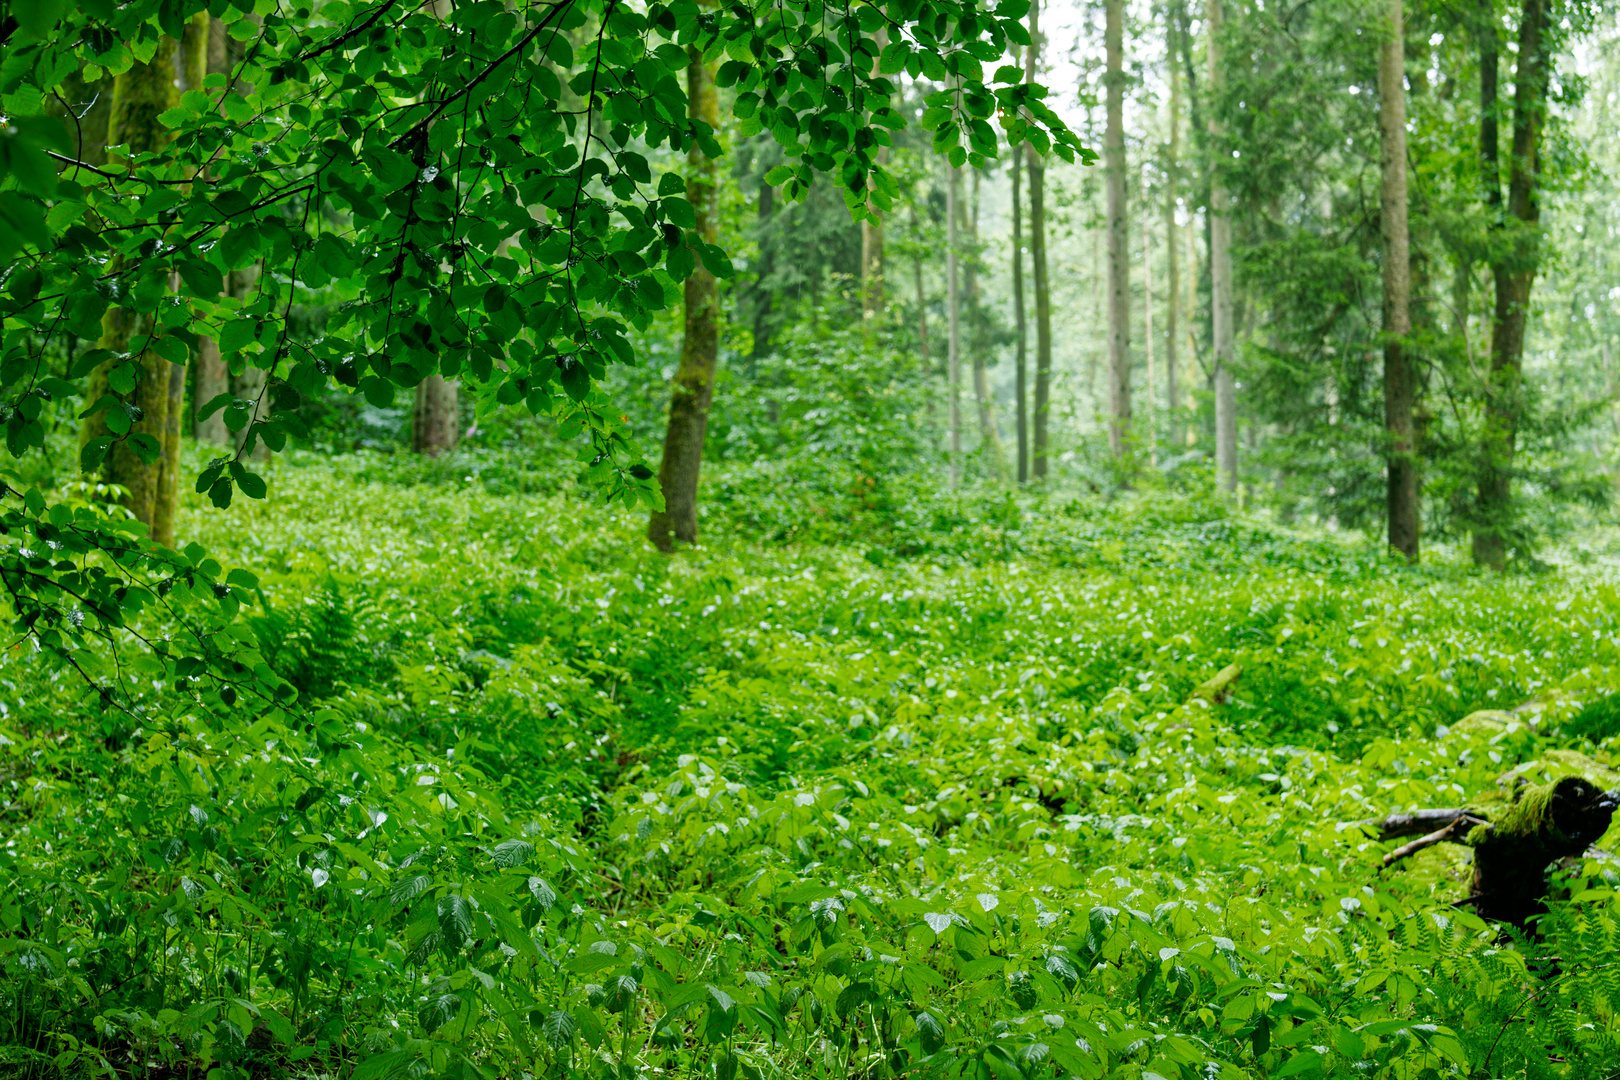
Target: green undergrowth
<point>554,805</point>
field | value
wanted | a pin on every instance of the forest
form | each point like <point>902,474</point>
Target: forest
<point>994,539</point>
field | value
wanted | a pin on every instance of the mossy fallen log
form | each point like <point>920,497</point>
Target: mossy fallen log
<point>1516,845</point>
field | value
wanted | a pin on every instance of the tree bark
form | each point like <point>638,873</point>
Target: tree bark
<point>1400,389</point>
<point>989,430</point>
<point>872,299</point>
<point>1220,274</point>
<point>436,419</point>
<point>139,96</point>
<point>700,348</point>
<point>766,298</point>
<point>1514,264</point>
<point>1119,272</point>
<point>190,67</point>
<point>1037,260</point>
<point>1147,317</point>
<point>1172,267</point>
<point>922,299</point>
<point>953,314</point>
<point>1021,325</point>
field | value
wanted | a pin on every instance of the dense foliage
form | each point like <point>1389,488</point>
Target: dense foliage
<point>426,766</point>
<point>576,809</point>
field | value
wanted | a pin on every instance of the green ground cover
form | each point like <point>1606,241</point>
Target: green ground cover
<point>937,799</point>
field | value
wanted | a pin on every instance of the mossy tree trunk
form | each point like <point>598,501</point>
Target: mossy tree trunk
<point>700,348</point>
<point>151,388</point>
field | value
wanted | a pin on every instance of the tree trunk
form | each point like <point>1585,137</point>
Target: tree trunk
<point>1513,266</point>
<point>139,96</point>
<point>989,430</point>
<point>1119,270</point>
<point>1172,264</point>
<point>190,68</point>
<point>953,314</point>
<point>213,376</point>
<point>1037,260</point>
<point>872,301</point>
<point>436,419</point>
<point>1399,382</point>
<point>1490,137</point>
<point>766,298</point>
<point>1220,275</point>
<point>700,348</point>
<point>922,299</point>
<point>872,260</point>
<point>1147,316</point>
<point>1098,274</point>
<point>1021,326</point>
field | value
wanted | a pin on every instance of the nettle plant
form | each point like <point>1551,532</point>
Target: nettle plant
<point>371,194</point>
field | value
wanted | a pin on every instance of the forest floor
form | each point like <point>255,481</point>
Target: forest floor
<point>939,803</point>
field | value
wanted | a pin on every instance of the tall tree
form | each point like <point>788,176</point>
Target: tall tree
<point>1037,260</point>
<point>953,314</point>
<point>146,463</point>
<point>989,429</point>
<point>1515,258</point>
<point>1147,307</point>
<point>1220,273</point>
<point>1400,383</point>
<point>211,377</point>
<point>1021,325</point>
<point>1119,267</point>
<point>872,300</point>
<point>700,348</point>
<point>917,285</point>
<point>1172,261</point>
<point>765,298</point>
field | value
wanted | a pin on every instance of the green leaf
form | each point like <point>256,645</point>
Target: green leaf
<point>252,485</point>
<point>408,889</point>
<point>930,1031</point>
<point>145,447</point>
<point>455,920</point>
<point>379,392</point>
<point>558,1027</point>
<point>382,1066</point>
<point>94,452</point>
<point>510,853</point>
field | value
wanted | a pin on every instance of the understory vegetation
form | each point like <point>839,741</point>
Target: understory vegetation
<point>553,804</point>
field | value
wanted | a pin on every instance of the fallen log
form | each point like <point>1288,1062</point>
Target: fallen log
<point>1515,845</point>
